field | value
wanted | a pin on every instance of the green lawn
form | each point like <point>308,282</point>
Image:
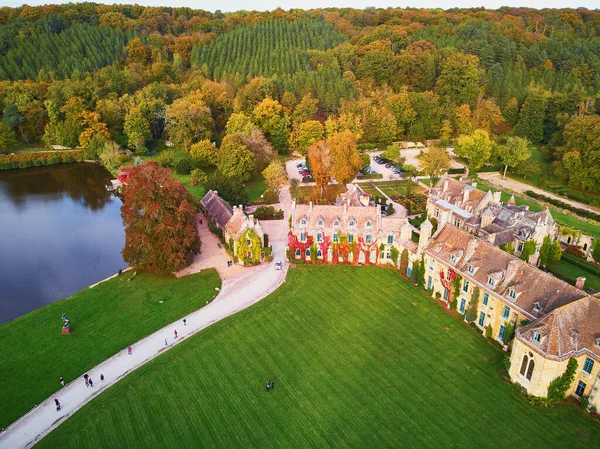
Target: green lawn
<point>105,319</point>
<point>569,272</point>
<point>360,358</point>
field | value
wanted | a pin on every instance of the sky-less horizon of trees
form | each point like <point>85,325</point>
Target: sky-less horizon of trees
<point>132,73</point>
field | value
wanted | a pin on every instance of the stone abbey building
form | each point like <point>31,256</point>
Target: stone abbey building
<point>465,269</point>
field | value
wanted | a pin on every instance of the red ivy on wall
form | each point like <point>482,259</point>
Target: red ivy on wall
<point>344,249</point>
<point>447,283</point>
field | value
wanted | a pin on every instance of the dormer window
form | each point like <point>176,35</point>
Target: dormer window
<point>320,223</point>
<point>368,224</point>
<point>336,223</point>
<point>452,258</point>
<point>491,281</point>
<point>598,342</point>
<point>351,223</point>
<point>303,222</point>
<point>537,337</point>
<point>470,269</point>
<point>537,307</point>
<point>512,294</point>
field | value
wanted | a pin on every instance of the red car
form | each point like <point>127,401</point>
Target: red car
<point>305,174</point>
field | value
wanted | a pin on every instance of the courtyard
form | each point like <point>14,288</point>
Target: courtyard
<point>359,357</point>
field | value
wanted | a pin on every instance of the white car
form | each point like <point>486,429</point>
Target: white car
<point>278,265</point>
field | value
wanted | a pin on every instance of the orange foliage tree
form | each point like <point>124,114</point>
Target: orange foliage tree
<point>159,220</point>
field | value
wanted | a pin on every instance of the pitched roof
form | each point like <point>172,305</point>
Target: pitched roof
<point>536,292</point>
<point>217,208</point>
<point>353,196</point>
<point>459,194</point>
<point>566,331</point>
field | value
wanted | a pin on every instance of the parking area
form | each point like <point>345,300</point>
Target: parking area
<point>386,172</point>
<point>291,167</point>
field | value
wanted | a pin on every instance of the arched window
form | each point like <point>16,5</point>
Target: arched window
<point>320,223</point>
<point>319,253</point>
<point>530,369</point>
<point>297,253</point>
<point>524,365</point>
<point>303,222</point>
<point>368,224</point>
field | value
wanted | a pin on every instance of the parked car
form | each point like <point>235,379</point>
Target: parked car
<point>390,166</point>
<point>301,164</point>
<point>278,265</point>
<point>380,161</point>
<point>305,173</point>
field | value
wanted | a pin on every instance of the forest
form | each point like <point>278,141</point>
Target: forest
<point>249,84</point>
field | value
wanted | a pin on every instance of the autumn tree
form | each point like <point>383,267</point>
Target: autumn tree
<point>434,162</point>
<point>392,153</point>
<point>137,129</point>
<point>475,148</point>
<point>7,137</point>
<point>159,219</point>
<point>580,154</point>
<point>236,161</point>
<point>513,153</point>
<point>343,122</point>
<point>345,161</point>
<point>92,126</point>
<point>320,164</point>
<point>463,119</point>
<point>306,134</point>
<point>275,175</point>
<point>189,120</point>
<point>239,122</point>
<point>205,153</point>
<point>109,156</point>
<point>511,112</point>
<point>459,78</point>
<point>306,110</point>
<point>273,121</point>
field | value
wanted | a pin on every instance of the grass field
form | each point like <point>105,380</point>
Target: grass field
<point>105,319</point>
<point>360,359</point>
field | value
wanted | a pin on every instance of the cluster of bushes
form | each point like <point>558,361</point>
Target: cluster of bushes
<point>270,196</point>
<point>414,203</point>
<point>362,175</point>
<point>581,212</point>
<point>456,171</point>
<point>268,213</point>
<point>26,160</point>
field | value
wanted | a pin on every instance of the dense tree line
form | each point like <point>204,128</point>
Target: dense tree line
<point>46,55</point>
<point>265,49</point>
<point>288,79</point>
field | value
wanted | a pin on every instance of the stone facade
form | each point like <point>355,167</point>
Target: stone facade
<point>242,234</point>
<point>482,213</point>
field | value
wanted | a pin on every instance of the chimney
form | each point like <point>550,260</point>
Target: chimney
<point>251,218</point>
<point>497,196</point>
<point>580,283</point>
<point>310,207</point>
<point>378,210</point>
<point>446,182</point>
<point>474,184</point>
<point>215,193</point>
<point>533,259</point>
<point>426,230</point>
<point>406,232</point>
<point>466,194</point>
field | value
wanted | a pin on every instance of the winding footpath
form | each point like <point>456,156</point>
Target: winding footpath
<point>238,292</point>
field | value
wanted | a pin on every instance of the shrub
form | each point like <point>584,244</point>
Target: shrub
<point>268,213</point>
<point>166,158</point>
<point>489,332</point>
<point>266,241</point>
<point>270,196</point>
<point>585,402</point>
<point>184,166</point>
<point>557,389</point>
<point>26,160</point>
<point>198,177</point>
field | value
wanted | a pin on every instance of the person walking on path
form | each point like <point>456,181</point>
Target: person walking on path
<point>184,322</point>
<point>101,377</point>
<point>62,381</point>
<point>166,342</point>
<point>175,332</point>
<point>86,378</point>
<point>129,350</point>
<point>57,404</point>
<point>91,383</point>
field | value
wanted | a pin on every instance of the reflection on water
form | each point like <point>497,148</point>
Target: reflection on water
<point>60,232</point>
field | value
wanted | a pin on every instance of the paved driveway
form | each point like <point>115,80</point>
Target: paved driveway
<point>248,286</point>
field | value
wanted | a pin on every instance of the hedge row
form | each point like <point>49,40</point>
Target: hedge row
<point>26,160</point>
<point>268,213</point>
<point>582,264</point>
<point>581,212</point>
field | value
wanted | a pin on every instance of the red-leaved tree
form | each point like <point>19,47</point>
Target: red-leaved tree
<point>160,226</point>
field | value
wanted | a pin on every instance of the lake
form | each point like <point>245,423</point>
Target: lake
<point>61,231</point>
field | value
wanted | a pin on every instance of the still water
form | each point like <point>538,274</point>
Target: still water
<point>60,231</point>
